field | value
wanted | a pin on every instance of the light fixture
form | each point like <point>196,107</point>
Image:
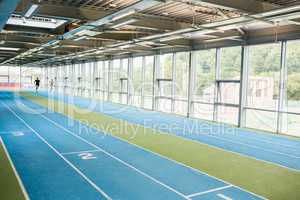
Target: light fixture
<point>9,49</point>
<point>31,10</point>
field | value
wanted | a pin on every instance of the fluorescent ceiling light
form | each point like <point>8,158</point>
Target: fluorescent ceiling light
<point>31,10</point>
<point>130,21</point>
<point>122,15</point>
<point>87,32</point>
<point>39,22</point>
<point>9,49</point>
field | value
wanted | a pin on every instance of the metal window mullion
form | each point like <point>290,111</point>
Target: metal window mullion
<point>109,84</point>
<point>20,77</point>
<point>121,82</point>
<point>143,81</point>
<point>129,82</point>
<point>283,73</point>
<point>243,86</point>
<point>217,77</point>
<point>155,88</point>
<point>191,83</point>
<point>173,82</point>
<point>73,79</point>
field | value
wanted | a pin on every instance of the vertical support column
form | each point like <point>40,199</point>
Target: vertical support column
<point>217,77</point>
<point>156,69</point>
<point>143,81</point>
<point>173,82</point>
<point>283,74</point>
<point>93,79</point>
<point>109,82</point>
<point>120,81</point>
<point>91,67</point>
<point>191,83</point>
<point>47,77</point>
<point>56,78</point>
<point>73,79</point>
<point>129,82</point>
<point>20,68</point>
<point>243,86</point>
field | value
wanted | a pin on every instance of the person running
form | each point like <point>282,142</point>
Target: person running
<point>37,84</point>
<point>51,85</point>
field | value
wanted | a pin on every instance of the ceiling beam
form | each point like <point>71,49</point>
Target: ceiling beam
<point>248,6</point>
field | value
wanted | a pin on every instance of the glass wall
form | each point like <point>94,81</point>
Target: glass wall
<point>205,83</point>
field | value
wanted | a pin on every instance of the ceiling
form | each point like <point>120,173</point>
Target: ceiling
<point>42,32</point>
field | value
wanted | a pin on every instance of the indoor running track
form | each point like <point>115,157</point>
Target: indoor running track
<point>57,161</point>
<point>272,148</point>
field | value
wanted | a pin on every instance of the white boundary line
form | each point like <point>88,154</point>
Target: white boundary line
<point>209,191</point>
<point>15,171</point>
<point>162,156</point>
<point>78,152</point>
<point>184,138</point>
<point>60,155</point>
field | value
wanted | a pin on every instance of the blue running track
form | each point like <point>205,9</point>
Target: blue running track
<point>56,161</point>
<point>276,149</point>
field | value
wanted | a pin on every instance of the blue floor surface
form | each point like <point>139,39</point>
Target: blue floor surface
<point>276,149</point>
<point>57,161</point>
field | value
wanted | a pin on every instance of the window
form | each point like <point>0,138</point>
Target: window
<point>204,87</point>
<point>205,64</point>
<point>148,82</point>
<point>137,80</point>
<point>181,83</point>
<point>291,101</point>
<point>263,86</point>
<point>230,63</point>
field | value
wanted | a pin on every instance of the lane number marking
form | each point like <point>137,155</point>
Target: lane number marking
<point>87,156</point>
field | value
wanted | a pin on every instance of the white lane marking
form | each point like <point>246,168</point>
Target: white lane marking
<point>224,197</point>
<point>59,154</point>
<point>209,191</point>
<point>116,158</point>
<point>174,161</point>
<point>17,134</point>
<point>15,171</point>
<point>12,132</point>
<point>79,152</point>
<point>255,147</point>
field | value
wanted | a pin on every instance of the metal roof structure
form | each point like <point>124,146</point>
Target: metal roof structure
<point>45,32</point>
